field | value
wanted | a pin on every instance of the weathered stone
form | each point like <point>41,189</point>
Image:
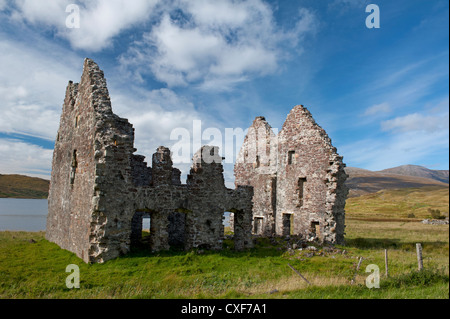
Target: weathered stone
<point>100,191</point>
<point>298,179</point>
<point>435,221</point>
<point>290,184</point>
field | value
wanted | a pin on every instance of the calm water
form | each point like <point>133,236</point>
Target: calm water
<point>23,214</point>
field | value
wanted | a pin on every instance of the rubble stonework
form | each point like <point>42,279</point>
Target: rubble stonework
<point>100,190</point>
<point>298,179</point>
<point>291,183</point>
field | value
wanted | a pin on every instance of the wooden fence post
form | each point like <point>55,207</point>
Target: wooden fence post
<point>419,256</point>
<point>357,269</point>
<point>386,262</point>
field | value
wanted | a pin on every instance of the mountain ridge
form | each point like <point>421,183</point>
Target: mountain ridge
<point>419,171</point>
<point>363,181</point>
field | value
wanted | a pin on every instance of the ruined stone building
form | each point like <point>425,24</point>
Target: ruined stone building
<point>100,191</point>
<point>298,179</point>
<point>286,184</point>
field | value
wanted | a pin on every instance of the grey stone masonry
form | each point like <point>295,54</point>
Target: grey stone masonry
<point>100,190</point>
<point>298,179</point>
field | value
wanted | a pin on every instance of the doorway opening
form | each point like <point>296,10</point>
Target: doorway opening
<point>228,224</point>
<point>315,229</point>
<point>287,226</point>
<point>140,229</point>
<point>177,229</point>
<point>258,225</point>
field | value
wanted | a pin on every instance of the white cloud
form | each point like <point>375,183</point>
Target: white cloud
<point>203,42</point>
<point>2,4</point>
<point>417,122</point>
<point>100,20</point>
<point>17,157</point>
<point>41,12</point>
<point>215,44</point>
<point>347,4</point>
<point>155,114</point>
<point>222,13</point>
<point>32,86</point>
<point>440,108</point>
<point>409,139</point>
<point>378,109</point>
<point>396,150</point>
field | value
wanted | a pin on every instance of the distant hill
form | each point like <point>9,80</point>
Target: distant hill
<point>420,171</point>
<point>390,204</point>
<point>360,181</point>
<point>19,186</point>
<point>363,181</point>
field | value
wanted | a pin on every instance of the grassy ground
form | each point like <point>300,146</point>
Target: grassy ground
<point>389,204</point>
<point>31,267</point>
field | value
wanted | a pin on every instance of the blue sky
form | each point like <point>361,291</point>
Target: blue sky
<point>381,94</point>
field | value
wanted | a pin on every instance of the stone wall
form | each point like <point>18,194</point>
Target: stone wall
<point>256,166</point>
<point>100,190</point>
<point>299,187</point>
<point>73,174</point>
<point>290,183</point>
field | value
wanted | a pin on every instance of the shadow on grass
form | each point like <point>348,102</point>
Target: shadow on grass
<point>260,251</point>
<point>255,252</point>
<point>385,243</point>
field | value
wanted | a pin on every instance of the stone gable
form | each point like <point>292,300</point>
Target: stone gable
<point>298,179</point>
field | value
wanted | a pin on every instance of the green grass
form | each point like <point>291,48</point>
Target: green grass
<point>37,270</point>
<point>399,203</point>
<point>32,267</point>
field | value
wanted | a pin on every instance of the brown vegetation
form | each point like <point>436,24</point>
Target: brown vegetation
<point>362,181</point>
<point>19,186</point>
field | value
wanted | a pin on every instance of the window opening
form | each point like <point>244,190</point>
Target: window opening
<point>301,190</point>
<point>291,157</point>
<point>73,168</point>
